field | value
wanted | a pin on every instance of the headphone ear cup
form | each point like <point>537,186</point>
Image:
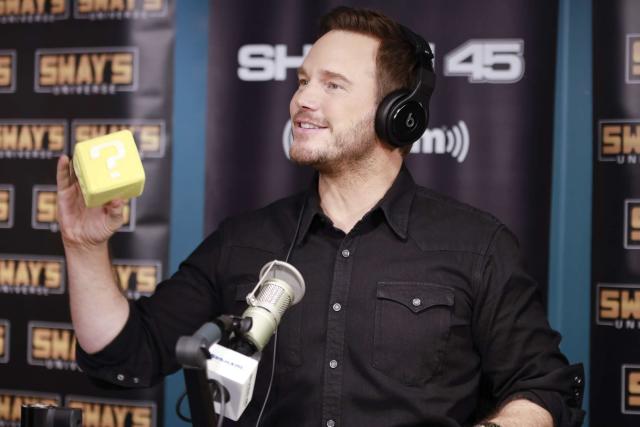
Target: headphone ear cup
<point>408,122</point>
<point>385,112</point>
<point>400,119</point>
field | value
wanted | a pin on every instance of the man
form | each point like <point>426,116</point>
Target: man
<point>417,311</point>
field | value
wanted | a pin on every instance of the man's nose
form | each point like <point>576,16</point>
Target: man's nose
<point>307,97</point>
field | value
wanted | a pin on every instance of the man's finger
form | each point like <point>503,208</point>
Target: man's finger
<point>115,211</point>
<point>63,178</point>
<point>115,203</point>
<point>115,216</point>
<point>72,171</point>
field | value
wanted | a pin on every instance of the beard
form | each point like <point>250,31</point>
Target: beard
<point>345,149</point>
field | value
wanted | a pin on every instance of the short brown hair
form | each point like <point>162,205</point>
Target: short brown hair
<point>396,61</point>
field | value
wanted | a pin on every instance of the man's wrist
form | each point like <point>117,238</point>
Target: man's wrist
<point>85,249</point>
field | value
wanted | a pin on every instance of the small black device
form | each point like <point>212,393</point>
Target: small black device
<point>40,415</point>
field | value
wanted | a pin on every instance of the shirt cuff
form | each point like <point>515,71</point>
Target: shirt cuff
<point>564,408</point>
<point>110,364</point>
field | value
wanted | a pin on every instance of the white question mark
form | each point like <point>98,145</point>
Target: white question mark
<point>111,160</point>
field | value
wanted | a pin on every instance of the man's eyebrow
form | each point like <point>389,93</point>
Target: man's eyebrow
<point>327,74</point>
<point>334,75</point>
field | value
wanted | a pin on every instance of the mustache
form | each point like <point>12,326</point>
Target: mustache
<point>303,116</point>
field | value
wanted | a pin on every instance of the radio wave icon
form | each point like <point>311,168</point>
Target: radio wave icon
<point>453,141</point>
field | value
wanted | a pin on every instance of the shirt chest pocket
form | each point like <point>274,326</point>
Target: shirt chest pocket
<point>412,323</point>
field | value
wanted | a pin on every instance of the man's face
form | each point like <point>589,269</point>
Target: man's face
<point>333,110</point>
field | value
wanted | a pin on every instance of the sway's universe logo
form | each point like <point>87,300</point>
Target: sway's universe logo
<point>52,345</point>
<point>631,389</point>
<point>11,402</point>
<point>6,205</point>
<point>5,327</point>
<point>618,305</point>
<point>632,224</point>
<point>619,140</point>
<point>44,210</point>
<point>121,9</point>
<point>633,58</point>
<point>33,11</point>
<point>150,135</point>
<point>86,71</point>
<point>31,275</point>
<point>7,71</point>
<point>450,141</point>
<point>37,139</point>
<point>137,277</point>
<point>98,412</point>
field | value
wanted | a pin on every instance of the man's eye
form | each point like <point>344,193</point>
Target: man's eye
<point>303,82</point>
<point>332,85</point>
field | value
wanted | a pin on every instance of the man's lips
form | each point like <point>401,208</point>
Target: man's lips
<point>307,127</point>
<point>305,123</point>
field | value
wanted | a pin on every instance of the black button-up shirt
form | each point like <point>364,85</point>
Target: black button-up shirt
<point>420,315</point>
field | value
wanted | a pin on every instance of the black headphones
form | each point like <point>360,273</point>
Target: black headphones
<point>403,115</point>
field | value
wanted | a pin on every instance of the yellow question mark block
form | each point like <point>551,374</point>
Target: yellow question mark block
<point>108,167</point>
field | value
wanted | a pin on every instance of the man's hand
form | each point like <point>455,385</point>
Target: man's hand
<point>521,413</point>
<point>98,308</point>
<point>83,227</point>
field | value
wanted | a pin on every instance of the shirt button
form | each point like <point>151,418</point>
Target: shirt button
<point>337,307</point>
<point>346,253</point>
<point>120,377</point>
<point>136,380</point>
<point>416,302</point>
<point>333,364</point>
<point>331,423</point>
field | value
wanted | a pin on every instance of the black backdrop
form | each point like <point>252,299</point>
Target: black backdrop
<point>489,142</point>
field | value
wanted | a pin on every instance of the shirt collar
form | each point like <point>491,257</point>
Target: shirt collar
<point>395,204</point>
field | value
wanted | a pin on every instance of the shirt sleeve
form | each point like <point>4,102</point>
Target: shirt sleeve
<point>519,351</point>
<point>144,350</point>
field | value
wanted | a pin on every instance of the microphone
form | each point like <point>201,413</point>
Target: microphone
<point>280,286</point>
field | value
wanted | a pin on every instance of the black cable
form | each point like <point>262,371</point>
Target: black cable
<point>295,235</point>
<point>273,369</point>
<point>223,402</point>
<point>178,404</point>
<point>217,391</point>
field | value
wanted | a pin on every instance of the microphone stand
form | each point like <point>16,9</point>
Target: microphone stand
<point>192,353</point>
<point>200,397</point>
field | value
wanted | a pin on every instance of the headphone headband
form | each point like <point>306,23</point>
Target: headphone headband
<point>422,50</point>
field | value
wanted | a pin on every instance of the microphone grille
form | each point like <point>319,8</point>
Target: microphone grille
<point>271,294</point>
<point>287,273</point>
